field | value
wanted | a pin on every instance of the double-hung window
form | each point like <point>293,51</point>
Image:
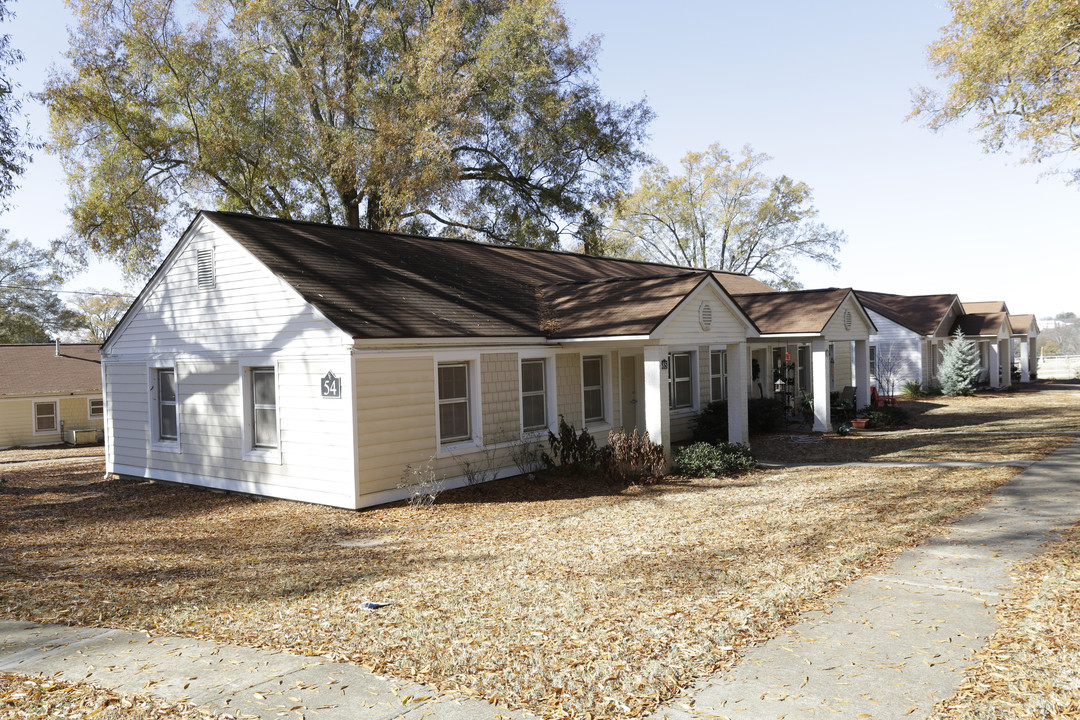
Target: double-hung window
<point>167,427</point>
<point>873,362</point>
<point>45,417</point>
<point>533,395</point>
<point>95,408</point>
<point>718,374</point>
<point>264,414</point>
<point>680,380</point>
<point>592,381</point>
<point>454,407</point>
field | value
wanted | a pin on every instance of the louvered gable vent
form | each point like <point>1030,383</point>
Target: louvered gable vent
<point>205,262</point>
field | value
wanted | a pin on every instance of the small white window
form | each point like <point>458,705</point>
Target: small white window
<point>454,409</point>
<point>680,380</point>
<point>264,409</point>
<point>718,374</point>
<point>96,408</point>
<point>592,380</point>
<point>873,362</point>
<point>533,395</point>
<point>204,261</point>
<point>168,426</point>
<point>45,417</point>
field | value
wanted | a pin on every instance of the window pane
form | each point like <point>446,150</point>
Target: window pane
<point>682,365</point>
<point>97,407</point>
<point>167,385</point>
<point>716,362</point>
<point>532,376</point>
<point>453,382</point>
<point>594,404</point>
<point>454,421</point>
<point>266,428</point>
<point>263,387</point>
<point>167,426</point>
<point>718,388</point>
<point>44,416</point>
<point>533,412</point>
<point>682,394</point>
<point>592,372</point>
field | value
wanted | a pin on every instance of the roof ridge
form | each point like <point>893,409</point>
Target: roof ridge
<point>494,246</point>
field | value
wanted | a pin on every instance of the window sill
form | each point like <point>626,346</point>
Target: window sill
<point>452,448</point>
<point>266,456</point>
<point>169,447</point>
<point>595,426</point>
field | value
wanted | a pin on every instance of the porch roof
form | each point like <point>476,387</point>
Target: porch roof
<point>986,306</point>
<point>1023,325</point>
<point>795,312</point>
<point>983,324</point>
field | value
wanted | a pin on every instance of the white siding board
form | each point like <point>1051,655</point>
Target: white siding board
<point>684,328</point>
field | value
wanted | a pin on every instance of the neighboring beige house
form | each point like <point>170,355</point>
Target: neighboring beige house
<point>316,362</point>
<point>48,392</point>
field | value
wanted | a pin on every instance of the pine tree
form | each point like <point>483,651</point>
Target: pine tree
<point>959,369</point>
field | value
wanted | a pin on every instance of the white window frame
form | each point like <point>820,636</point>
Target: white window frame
<point>693,379</point>
<point>723,375</point>
<point>154,410</point>
<point>872,353</point>
<point>90,408</point>
<point>605,409</point>
<point>249,451</point>
<point>549,395</point>
<point>55,416</point>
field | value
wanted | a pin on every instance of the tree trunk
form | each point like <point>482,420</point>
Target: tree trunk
<point>350,201</point>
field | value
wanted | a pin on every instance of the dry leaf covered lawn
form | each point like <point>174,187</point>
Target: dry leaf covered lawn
<point>564,597</point>
<point>30,698</point>
<point>1030,667</point>
<point>1026,424</point>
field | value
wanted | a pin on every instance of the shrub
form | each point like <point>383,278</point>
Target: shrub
<point>529,457</point>
<point>711,424</point>
<point>571,449</point>
<point>765,415</point>
<point>888,416</point>
<point>632,459</point>
<point>422,483</point>
<point>913,388</point>
<point>709,460</point>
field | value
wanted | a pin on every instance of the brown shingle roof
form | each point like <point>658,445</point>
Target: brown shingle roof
<point>980,324</point>
<point>390,285</point>
<point>36,370</point>
<point>919,313</point>
<point>1021,324</point>
<point>988,306</point>
<point>797,311</point>
<point>738,284</point>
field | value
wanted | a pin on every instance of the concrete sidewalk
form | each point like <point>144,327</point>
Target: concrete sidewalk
<point>888,646</point>
<point>891,645</point>
<point>227,679</point>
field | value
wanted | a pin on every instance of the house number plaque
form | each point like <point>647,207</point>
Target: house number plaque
<point>331,385</point>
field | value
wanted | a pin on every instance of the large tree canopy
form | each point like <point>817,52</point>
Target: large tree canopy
<point>455,116</point>
<point>15,145</point>
<point>1013,68</point>
<point>725,213</point>
<point>29,310</point>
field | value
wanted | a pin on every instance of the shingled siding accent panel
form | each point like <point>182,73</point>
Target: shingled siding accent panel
<point>568,388</point>
<point>316,460</point>
<point>248,309</point>
<point>395,418</point>
<point>500,397</point>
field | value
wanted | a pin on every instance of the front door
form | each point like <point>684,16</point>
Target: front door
<point>633,387</point>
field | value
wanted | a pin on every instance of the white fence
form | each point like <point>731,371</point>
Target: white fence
<point>1059,367</point>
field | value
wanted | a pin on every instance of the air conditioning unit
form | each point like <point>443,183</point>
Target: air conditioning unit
<point>87,436</point>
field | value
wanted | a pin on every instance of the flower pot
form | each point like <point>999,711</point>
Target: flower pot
<point>860,423</point>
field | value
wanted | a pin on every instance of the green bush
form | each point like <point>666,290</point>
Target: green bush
<point>765,415</point>
<point>711,423</point>
<point>708,460</point>
<point>913,388</point>
<point>888,416</point>
<point>571,449</point>
<point>632,458</point>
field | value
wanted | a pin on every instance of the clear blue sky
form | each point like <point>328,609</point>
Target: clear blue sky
<point>822,87</point>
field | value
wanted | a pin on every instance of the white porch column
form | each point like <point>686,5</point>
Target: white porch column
<point>860,358</point>
<point>819,364</point>
<point>656,401</point>
<point>1033,359</point>
<point>737,389</point>
<point>1025,358</point>
<point>767,373</point>
<point>1006,357</point>
<point>993,363</point>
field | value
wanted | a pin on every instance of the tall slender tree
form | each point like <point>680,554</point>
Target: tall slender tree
<point>479,119</point>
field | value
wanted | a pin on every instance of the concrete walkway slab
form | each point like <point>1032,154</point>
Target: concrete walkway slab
<point>893,644</point>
